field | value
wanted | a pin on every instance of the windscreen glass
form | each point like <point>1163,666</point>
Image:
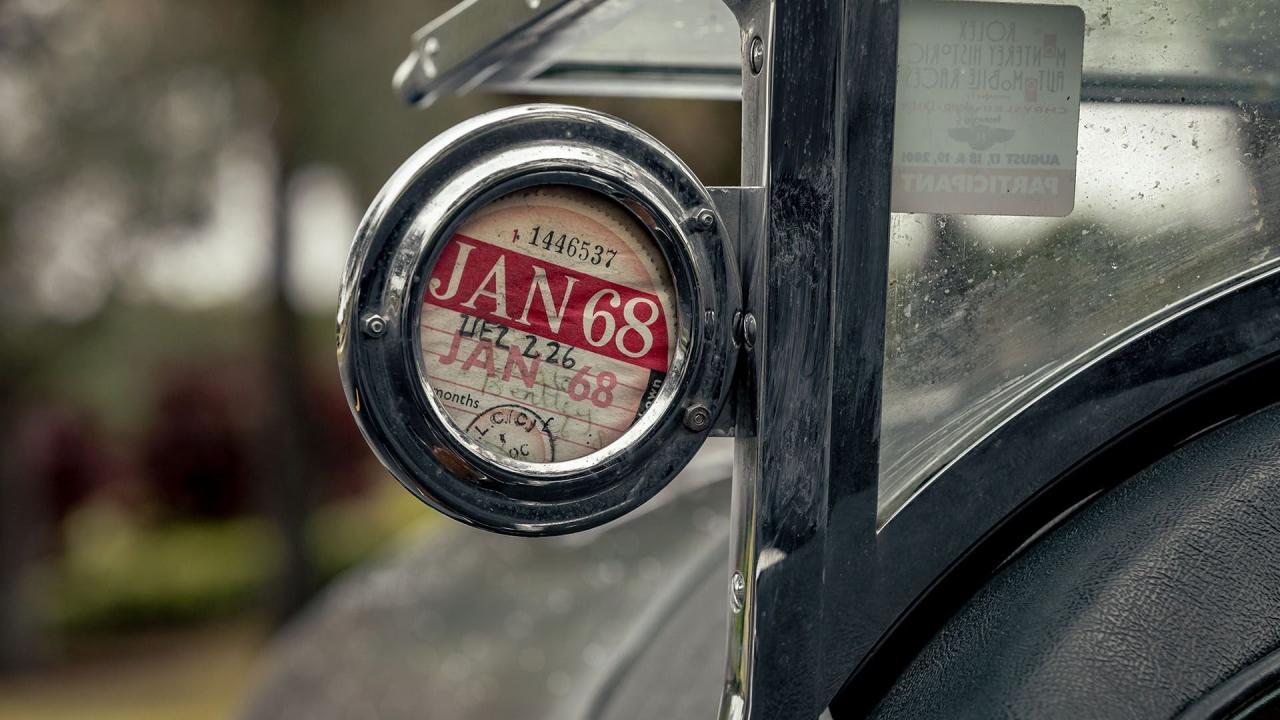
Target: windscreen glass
<point>1175,195</point>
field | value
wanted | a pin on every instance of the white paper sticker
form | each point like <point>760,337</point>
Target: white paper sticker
<point>548,324</point>
<point>988,108</point>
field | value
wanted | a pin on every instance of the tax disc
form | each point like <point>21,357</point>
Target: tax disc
<point>548,324</point>
<point>535,326</point>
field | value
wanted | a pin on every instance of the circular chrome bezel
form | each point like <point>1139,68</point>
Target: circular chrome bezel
<point>399,240</point>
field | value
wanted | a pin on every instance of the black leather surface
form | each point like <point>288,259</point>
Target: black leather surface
<point>1135,607</point>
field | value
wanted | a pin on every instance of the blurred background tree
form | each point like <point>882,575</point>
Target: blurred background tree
<point>179,183</point>
<point>153,156</point>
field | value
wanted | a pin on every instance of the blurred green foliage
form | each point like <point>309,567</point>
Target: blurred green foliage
<point>118,573</point>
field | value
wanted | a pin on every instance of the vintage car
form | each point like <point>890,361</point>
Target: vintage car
<point>985,342</point>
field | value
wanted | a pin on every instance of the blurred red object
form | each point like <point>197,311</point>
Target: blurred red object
<point>197,454</point>
<point>63,452</point>
<point>207,447</point>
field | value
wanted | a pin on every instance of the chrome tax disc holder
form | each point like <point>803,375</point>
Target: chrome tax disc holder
<point>535,330</point>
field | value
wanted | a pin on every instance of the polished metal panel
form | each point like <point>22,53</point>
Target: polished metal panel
<point>408,226</point>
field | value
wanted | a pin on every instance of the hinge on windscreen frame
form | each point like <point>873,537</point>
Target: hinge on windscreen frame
<point>738,208</point>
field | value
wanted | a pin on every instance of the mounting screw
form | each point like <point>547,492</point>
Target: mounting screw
<point>374,325</point>
<point>704,219</point>
<point>697,418</point>
<point>757,55</point>
<point>737,590</point>
<point>749,331</point>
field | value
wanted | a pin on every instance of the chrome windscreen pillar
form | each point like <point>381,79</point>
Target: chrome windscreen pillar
<point>817,120</point>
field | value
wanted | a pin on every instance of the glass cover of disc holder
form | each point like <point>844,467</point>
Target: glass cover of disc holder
<point>548,324</point>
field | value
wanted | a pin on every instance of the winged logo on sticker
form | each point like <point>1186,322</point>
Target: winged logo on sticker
<point>982,137</point>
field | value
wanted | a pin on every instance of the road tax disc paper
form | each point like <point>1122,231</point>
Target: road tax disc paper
<point>548,324</point>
